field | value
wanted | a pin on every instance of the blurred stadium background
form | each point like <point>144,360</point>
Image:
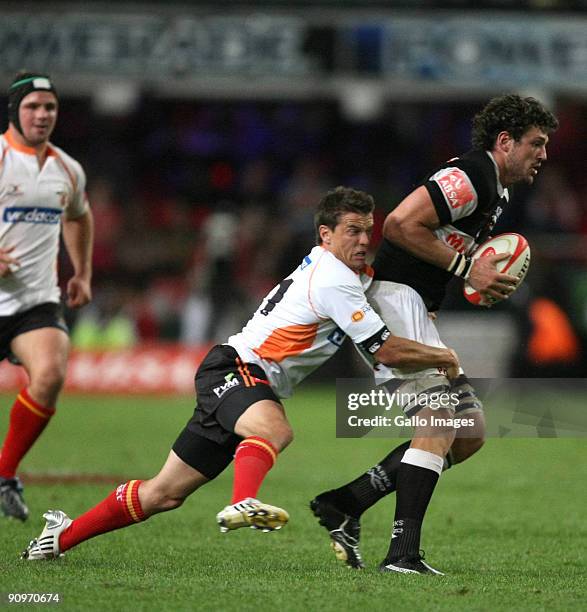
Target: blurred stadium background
<point>208,132</point>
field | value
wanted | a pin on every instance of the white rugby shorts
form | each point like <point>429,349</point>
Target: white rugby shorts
<point>403,311</point>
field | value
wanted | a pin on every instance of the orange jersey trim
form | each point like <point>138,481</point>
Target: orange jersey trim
<point>51,152</point>
<point>3,156</point>
<point>70,174</point>
<point>287,342</point>
<point>17,146</point>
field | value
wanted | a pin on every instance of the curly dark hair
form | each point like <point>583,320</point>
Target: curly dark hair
<point>513,114</point>
<point>339,201</point>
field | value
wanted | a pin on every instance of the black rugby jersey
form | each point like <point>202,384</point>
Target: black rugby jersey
<point>468,200</point>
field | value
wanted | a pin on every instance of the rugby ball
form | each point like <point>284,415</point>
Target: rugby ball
<point>516,265</point>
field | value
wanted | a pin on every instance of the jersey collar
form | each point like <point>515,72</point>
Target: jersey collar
<point>23,148</point>
<point>501,190</point>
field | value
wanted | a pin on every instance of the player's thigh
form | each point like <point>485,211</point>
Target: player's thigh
<point>404,312</point>
<point>41,350</point>
<point>267,419</point>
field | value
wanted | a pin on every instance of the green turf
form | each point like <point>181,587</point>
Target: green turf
<point>507,527</point>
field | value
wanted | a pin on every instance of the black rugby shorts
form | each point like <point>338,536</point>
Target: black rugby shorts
<point>48,314</point>
<point>225,388</point>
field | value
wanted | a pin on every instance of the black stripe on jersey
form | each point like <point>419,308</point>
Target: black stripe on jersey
<point>439,202</point>
<point>374,343</point>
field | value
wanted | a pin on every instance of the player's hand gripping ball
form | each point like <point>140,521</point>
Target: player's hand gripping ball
<point>516,265</point>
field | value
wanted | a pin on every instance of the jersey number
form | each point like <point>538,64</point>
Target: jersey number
<point>284,285</point>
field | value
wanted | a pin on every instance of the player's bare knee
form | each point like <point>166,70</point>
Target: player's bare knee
<point>280,435</point>
<point>46,383</point>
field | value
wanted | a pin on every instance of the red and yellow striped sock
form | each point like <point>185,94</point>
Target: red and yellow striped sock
<point>120,509</point>
<point>253,458</point>
<point>28,419</point>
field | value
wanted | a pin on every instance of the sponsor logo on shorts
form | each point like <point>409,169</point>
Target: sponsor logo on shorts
<point>357,316</point>
<point>22,214</point>
<point>229,384</point>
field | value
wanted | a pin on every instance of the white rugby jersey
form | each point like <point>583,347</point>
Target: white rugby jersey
<point>305,319</point>
<point>32,202</point>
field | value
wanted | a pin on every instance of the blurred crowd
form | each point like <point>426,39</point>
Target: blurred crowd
<point>201,207</point>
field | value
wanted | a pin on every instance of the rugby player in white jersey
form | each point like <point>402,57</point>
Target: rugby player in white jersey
<point>428,240</point>
<point>42,192</point>
<point>239,385</point>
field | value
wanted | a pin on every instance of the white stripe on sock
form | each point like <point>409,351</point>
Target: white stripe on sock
<point>423,459</point>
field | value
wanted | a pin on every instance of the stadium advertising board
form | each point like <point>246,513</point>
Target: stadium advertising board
<point>171,51</point>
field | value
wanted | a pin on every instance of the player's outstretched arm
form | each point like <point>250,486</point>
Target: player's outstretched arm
<point>78,235</point>
<point>406,354</point>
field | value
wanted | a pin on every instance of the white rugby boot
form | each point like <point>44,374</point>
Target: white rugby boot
<point>46,546</point>
<point>251,513</point>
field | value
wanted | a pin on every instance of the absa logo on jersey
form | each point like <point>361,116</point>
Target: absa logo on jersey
<point>455,187</point>
<point>22,214</point>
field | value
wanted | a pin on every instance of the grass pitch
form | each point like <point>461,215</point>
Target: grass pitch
<point>508,526</point>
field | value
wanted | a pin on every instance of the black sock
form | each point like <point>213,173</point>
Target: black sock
<point>357,496</point>
<point>415,486</point>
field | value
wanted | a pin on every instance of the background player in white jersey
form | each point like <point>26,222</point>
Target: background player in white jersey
<point>428,238</point>
<point>42,191</point>
<point>239,385</point>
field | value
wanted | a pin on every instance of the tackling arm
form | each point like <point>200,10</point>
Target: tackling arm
<point>406,354</point>
<point>78,235</point>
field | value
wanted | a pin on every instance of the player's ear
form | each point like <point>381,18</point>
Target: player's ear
<point>504,141</point>
<point>325,234</point>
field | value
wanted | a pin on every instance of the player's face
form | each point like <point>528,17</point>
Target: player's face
<point>525,156</point>
<point>37,115</point>
<point>349,241</point>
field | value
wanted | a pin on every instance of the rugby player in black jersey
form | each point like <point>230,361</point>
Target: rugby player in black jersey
<point>428,238</point>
